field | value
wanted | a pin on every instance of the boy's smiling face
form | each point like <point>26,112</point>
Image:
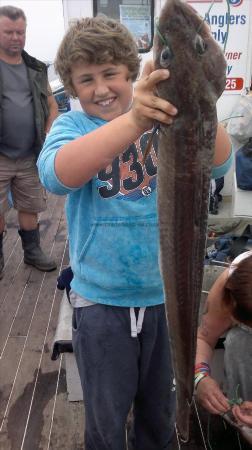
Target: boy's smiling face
<point>104,90</point>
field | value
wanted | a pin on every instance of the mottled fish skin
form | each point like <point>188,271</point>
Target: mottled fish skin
<point>186,148</point>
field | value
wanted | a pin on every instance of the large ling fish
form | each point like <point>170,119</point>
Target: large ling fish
<point>184,45</point>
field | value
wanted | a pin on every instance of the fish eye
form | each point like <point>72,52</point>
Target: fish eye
<point>200,45</point>
<point>166,57</point>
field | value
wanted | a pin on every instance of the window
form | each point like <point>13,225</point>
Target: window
<point>136,15</point>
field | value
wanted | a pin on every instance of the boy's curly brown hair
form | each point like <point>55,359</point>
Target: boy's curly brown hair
<point>96,40</point>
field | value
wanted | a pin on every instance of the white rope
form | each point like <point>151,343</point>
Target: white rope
<point>201,429</point>
<point>179,446</point>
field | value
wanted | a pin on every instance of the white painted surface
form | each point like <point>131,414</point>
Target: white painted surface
<point>74,390</point>
<point>242,201</point>
<point>45,26</point>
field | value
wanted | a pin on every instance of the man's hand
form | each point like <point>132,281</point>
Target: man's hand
<point>243,413</point>
<point>147,108</point>
<point>211,397</point>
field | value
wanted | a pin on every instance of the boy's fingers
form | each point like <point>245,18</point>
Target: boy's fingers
<point>163,105</point>
<point>155,77</point>
<point>148,68</point>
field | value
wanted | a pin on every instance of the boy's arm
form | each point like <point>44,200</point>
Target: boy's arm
<point>78,161</point>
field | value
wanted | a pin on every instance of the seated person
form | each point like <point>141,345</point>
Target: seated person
<point>228,309</point>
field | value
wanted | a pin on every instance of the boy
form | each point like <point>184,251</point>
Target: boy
<point>120,335</point>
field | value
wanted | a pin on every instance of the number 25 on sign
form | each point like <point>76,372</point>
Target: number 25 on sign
<point>234,84</point>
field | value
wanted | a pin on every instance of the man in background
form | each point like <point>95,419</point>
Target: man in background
<point>27,110</point>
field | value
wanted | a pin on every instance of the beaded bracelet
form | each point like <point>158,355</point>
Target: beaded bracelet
<point>202,370</point>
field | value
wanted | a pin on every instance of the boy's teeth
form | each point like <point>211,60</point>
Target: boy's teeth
<point>106,102</point>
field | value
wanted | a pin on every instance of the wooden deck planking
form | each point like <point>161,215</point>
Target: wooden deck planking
<point>29,304</point>
<point>35,345</point>
<point>42,285</point>
<point>66,415</point>
<point>17,307</point>
<point>9,365</point>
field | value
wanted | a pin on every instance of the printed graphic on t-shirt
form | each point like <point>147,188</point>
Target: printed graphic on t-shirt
<point>128,178</point>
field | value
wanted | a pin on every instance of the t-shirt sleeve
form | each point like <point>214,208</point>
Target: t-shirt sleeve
<point>64,130</point>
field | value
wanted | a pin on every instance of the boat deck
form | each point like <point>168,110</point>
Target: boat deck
<point>34,410</point>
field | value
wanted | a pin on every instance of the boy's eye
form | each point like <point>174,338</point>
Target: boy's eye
<point>110,74</point>
<point>86,80</point>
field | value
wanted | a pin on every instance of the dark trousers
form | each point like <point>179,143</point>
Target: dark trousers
<point>117,371</point>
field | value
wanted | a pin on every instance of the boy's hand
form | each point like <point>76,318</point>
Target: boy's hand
<point>243,413</point>
<point>147,108</point>
<point>211,397</point>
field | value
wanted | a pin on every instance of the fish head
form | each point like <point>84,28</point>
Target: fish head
<point>183,44</point>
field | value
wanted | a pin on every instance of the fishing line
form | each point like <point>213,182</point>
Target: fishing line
<point>208,432</point>
<point>201,429</point>
<point>231,117</point>
<point>228,21</point>
<point>178,440</point>
<point>236,400</point>
<point>149,144</point>
<point>239,442</point>
<point>161,37</point>
<point>207,13</point>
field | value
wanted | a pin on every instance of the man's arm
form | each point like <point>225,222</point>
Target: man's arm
<point>53,109</point>
<point>215,321</point>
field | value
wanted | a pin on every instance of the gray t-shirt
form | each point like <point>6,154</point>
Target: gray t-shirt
<point>238,362</point>
<point>18,121</point>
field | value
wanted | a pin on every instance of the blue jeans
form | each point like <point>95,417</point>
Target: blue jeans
<point>118,371</point>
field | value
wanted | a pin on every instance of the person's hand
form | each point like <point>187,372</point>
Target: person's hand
<point>211,397</point>
<point>243,413</point>
<point>147,108</point>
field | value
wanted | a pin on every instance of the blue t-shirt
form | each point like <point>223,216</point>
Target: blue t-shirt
<point>112,219</point>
